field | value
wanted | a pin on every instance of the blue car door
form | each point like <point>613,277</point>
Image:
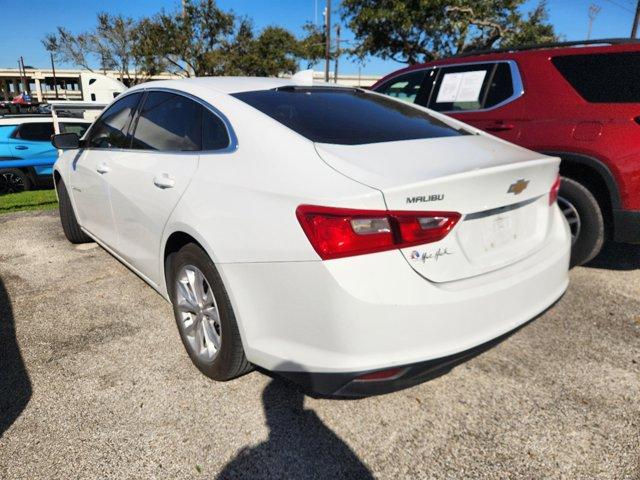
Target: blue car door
<point>5,150</point>
<point>32,141</point>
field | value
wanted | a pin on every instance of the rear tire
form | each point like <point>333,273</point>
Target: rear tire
<point>211,339</point>
<point>582,210</point>
<point>13,180</point>
<point>70,226</point>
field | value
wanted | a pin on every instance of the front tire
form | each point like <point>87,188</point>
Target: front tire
<point>584,214</point>
<point>204,315</point>
<point>70,225</point>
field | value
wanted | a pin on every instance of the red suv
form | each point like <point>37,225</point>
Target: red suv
<point>576,100</point>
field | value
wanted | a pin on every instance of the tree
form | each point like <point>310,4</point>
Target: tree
<point>112,43</point>
<point>272,53</point>
<point>69,48</point>
<point>187,43</point>
<point>411,31</point>
<point>311,47</point>
<point>114,39</point>
<point>198,40</point>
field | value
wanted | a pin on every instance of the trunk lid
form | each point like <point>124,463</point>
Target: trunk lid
<point>501,190</point>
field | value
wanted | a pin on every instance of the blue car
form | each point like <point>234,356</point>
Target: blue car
<point>26,153</point>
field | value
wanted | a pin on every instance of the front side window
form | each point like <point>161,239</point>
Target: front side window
<point>604,77</point>
<point>404,87</point>
<point>346,116</point>
<point>471,87</point>
<point>39,132</point>
<point>110,130</point>
<point>168,122</point>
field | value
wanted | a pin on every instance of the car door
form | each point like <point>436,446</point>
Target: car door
<point>32,141</point>
<point>105,142</point>
<point>147,182</point>
<point>481,94</point>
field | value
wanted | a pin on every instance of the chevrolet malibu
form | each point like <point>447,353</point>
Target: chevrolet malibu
<point>343,239</point>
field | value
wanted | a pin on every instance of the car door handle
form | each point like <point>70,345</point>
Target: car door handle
<point>21,147</point>
<point>500,127</point>
<point>103,168</point>
<point>164,181</point>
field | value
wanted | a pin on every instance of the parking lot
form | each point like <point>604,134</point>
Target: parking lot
<point>95,383</point>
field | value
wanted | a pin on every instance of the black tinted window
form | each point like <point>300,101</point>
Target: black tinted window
<point>35,131</point>
<point>603,78</point>
<point>500,86</point>
<point>110,130</point>
<point>471,87</point>
<point>345,116</point>
<point>168,122</point>
<point>404,87</point>
<point>214,133</point>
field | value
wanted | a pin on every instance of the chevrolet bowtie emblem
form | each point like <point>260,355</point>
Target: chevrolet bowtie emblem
<point>518,187</point>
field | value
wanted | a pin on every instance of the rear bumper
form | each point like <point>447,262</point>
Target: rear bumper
<point>626,226</point>
<point>375,312</point>
<point>349,385</point>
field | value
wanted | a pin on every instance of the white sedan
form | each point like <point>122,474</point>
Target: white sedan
<point>346,240</point>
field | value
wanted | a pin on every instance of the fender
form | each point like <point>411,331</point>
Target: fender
<point>599,167</point>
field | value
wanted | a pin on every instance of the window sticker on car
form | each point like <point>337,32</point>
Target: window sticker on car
<point>461,86</point>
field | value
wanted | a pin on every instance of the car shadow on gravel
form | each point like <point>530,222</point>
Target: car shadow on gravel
<point>15,386</point>
<point>300,445</point>
<point>617,256</point>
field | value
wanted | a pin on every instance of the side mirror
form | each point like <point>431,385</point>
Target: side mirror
<point>66,141</point>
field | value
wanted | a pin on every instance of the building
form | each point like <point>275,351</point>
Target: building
<point>40,82</point>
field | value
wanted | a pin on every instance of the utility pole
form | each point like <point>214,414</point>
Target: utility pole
<point>327,45</point>
<point>23,75</point>
<point>636,19</point>
<point>55,82</point>
<point>594,10</point>
<point>335,68</point>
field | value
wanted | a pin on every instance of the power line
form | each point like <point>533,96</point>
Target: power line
<point>612,2</point>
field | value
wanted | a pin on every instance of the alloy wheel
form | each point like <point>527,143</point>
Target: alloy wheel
<point>573,217</point>
<point>11,182</point>
<point>199,316</point>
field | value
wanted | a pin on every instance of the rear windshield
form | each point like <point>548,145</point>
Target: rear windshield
<point>346,116</point>
<point>603,78</point>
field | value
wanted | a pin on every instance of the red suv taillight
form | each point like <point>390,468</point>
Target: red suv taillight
<point>555,188</point>
<point>341,232</point>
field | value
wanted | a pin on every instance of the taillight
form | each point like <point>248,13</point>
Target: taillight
<point>341,232</point>
<point>555,188</point>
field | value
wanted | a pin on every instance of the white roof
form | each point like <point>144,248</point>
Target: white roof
<point>229,85</point>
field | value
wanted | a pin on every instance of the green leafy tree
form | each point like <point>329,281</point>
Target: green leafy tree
<point>411,31</point>
<point>271,53</point>
<point>199,40</point>
<point>187,43</point>
<point>311,46</point>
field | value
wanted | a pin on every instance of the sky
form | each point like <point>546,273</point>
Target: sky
<point>23,37</point>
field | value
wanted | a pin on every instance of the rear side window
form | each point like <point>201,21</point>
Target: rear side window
<point>169,123</point>
<point>214,133</point>
<point>110,130</point>
<point>404,87</point>
<point>471,87</point>
<point>77,128</point>
<point>346,116</point>
<point>34,131</point>
<point>603,78</point>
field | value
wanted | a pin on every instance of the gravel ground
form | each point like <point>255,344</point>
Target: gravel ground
<point>94,383</point>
